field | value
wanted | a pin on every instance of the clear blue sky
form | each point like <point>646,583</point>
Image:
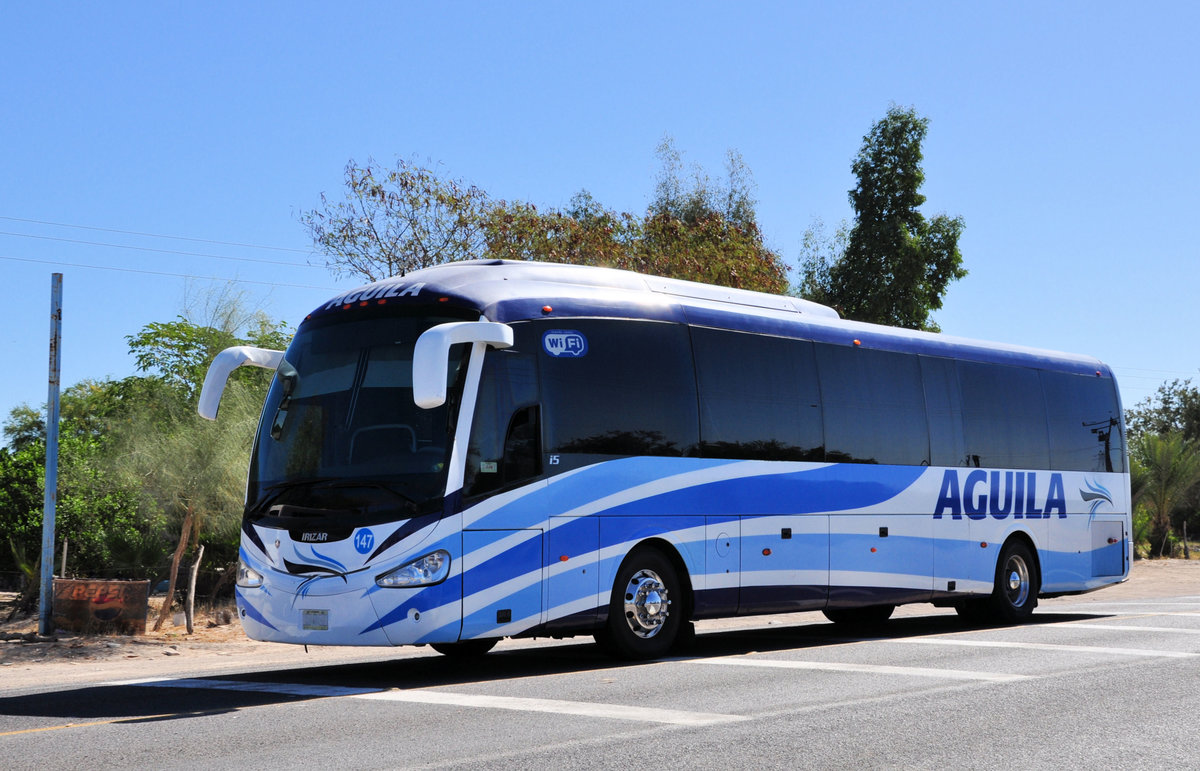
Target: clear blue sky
<point>1065,134</point>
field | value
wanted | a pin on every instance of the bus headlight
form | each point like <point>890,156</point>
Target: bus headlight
<point>431,569</point>
<point>248,577</point>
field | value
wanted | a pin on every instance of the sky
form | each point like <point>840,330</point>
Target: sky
<point>153,152</point>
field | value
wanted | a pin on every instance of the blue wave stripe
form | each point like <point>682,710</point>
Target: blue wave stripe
<point>827,488</point>
<point>588,485</point>
<point>252,611</point>
<point>431,597</point>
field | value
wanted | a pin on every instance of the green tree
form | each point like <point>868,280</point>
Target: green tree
<point>1165,467</point>
<point>93,508</point>
<point>397,220</point>
<point>896,265</point>
<point>128,452</point>
<point>1175,406</point>
<point>192,474</point>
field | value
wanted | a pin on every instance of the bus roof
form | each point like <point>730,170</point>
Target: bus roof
<point>507,291</point>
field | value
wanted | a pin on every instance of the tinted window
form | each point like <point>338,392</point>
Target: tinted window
<point>759,397</point>
<point>874,406</point>
<point>504,448</point>
<point>616,387</point>
<point>943,403</point>
<point>1085,422</point>
<point>1004,416</point>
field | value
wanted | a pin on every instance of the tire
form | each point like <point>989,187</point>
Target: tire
<point>465,649</point>
<point>645,614</point>
<point>1015,591</point>
<point>869,616</point>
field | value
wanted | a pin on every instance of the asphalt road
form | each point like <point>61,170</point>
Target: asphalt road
<point>1086,685</point>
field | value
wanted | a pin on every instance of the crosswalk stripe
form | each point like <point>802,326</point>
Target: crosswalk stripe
<point>877,669</point>
<point>1043,647</point>
<point>556,706</point>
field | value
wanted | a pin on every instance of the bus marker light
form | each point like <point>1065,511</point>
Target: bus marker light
<point>858,342</point>
<point>563,558</point>
<point>362,304</point>
<point>443,299</point>
<point>873,549</point>
<point>983,545</point>
<point>546,309</point>
<point>766,552</point>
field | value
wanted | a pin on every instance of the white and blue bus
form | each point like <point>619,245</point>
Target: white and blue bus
<point>493,449</point>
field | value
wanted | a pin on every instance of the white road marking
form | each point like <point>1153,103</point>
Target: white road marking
<point>556,706</point>
<point>878,669</point>
<point>1042,647</point>
<point>1136,603</point>
<point>1118,627</point>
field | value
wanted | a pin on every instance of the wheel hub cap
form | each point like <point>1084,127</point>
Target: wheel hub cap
<point>646,603</point>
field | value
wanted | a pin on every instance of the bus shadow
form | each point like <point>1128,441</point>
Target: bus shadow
<point>200,696</point>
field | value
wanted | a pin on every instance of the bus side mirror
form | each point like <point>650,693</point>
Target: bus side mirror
<point>433,349</point>
<point>226,362</point>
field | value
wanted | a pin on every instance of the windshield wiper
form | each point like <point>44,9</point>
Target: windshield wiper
<point>272,492</point>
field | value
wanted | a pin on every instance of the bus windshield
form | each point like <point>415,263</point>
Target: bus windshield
<point>339,429</point>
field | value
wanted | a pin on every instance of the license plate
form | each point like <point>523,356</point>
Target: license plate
<point>315,620</point>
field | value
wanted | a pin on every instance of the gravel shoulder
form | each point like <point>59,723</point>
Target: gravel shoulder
<point>215,649</point>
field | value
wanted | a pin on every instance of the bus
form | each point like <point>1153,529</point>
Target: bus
<point>491,449</point>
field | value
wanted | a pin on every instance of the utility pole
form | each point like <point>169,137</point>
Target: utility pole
<point>50,501</point>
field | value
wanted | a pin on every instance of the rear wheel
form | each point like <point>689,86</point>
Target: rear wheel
<point>1014,594</point>
<point>645,612</point>
<point>868,616</point>
<point>465,649</point>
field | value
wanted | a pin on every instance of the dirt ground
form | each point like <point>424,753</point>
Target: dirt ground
<point>27,661</point>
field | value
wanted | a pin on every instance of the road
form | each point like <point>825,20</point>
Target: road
<point>1089,684</point>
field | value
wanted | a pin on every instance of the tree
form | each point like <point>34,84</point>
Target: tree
<point>397,220</point>
<point>695,230</point>
<point>134,458</point>
<point>584,234</point>
<point>193,473</point>
<point>1166,467</point>
<point>896,265</point>
<point>1175,406</point>
<point>707,231</point>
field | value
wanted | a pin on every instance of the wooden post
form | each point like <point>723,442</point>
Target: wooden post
<point>165,609</point>
<point>188,612</point>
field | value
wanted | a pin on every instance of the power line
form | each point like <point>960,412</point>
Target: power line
<point>161,251</point>
<point>154,235</point>
<point>164,273</point>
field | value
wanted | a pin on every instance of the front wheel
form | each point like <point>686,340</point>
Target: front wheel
<point>1014,594</point>
<point>645,613</point>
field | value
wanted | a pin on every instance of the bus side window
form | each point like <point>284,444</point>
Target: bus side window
<point>1004,416</point>
<point>943,403</point>
<point>505,428</point>
<point>522,457</point>
<point>1085,422</point>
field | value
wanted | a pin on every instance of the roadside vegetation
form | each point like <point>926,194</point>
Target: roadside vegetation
<point>1164,451</point>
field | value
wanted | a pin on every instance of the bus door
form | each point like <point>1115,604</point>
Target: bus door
<point>502,582</point>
